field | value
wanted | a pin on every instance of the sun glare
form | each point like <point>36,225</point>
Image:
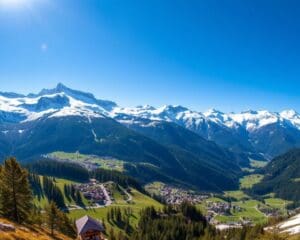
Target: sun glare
<point>13,3</point>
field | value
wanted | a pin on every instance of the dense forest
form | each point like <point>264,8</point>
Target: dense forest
<point>16,200</point>
<point>73,171</point>
<point>282,171</point>
<point>53,168</point>
<point>182,222</point>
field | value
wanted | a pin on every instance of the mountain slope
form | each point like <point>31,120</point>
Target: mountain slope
<point>171,143</point>
<point>281,172</point>
<point>239,132</point>
<point>243,133</point>
<point>194,153</point>
<point>147,159</point>
<point>28,232</point>
<point>275,139</point>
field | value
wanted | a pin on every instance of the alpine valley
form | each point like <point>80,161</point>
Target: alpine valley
<point>174,144</point>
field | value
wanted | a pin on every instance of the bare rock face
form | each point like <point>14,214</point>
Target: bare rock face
<point>7,227</point>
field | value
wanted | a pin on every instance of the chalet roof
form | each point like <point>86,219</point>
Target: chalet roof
<point>87,223</point>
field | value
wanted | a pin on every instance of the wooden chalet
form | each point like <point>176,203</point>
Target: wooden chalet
<point>89,229</point>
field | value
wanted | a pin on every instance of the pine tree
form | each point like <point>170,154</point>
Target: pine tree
<point>78,198</point>
<point>36,216</point>
<point>52,216</point>
<point>15,192</point>
<point>58,220</point>
<point>53,192</point>
<point>65,225</point>
<point>112,234</point>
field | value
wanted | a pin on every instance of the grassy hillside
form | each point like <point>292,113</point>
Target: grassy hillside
<point>60,182</point>
<point>105,163</point>
<point>202,160</point>
<point>139,202</point>
<point>249,180</point>
<point>28,233</point>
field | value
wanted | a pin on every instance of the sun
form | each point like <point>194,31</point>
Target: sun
<point>13,3</point>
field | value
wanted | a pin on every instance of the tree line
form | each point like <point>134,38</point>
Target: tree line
<point>184,222</point>
<point>16,200</point>
<point>78,173</point>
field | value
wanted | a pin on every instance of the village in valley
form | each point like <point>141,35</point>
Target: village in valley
<point>97,193</point>
<point>229,210</point>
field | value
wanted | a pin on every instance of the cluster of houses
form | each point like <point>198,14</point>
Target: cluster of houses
<point>95,192</point>
<point>270,212</point>
<point>217,208</point>
<point>222,208</point>
<point>173,195</point>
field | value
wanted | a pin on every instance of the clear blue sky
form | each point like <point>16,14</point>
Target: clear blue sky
<point>231,55</point>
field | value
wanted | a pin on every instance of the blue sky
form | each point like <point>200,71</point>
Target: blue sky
<point>231,55</point>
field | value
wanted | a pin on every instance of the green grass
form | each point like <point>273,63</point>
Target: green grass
<point>249,210</point>
<point>248,170</point>
<point>249,180</point>
<point>276,203</point>
<point>214,199</point>
<point>60,183</point>
<point>154,187</point>
<point>139,202</point>
<point>111,164</point>
<point>257,164</point>
<point>248,207</point>
<point>238,195</point>
<point>119,197</point>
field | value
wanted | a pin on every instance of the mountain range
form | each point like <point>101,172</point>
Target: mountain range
<point>170,143</point>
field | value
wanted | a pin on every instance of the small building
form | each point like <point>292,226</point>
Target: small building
<point>89,229</point>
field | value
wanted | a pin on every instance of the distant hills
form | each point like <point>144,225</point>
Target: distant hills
<point>171,143</point>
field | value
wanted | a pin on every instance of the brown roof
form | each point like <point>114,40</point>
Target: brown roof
<point>87,223</point>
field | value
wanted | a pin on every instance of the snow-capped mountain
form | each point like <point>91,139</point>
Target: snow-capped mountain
<point>63,101</point>
<point>249,120</point>
<point>62,119</point>
<point>263,131</point>
<point>57,102</point>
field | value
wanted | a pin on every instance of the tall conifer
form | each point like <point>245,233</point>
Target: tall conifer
<point>15,192</point>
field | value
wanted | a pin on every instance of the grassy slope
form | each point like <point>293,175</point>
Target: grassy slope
<point>29,233</point>
<point>257,164</point>
<point>111,164</point>
<point>249,180</point>
<point>248,211</point>
<point>277,203</point>
<point>60,183</point>
<point>250,206</point>
<point>140,201</point>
